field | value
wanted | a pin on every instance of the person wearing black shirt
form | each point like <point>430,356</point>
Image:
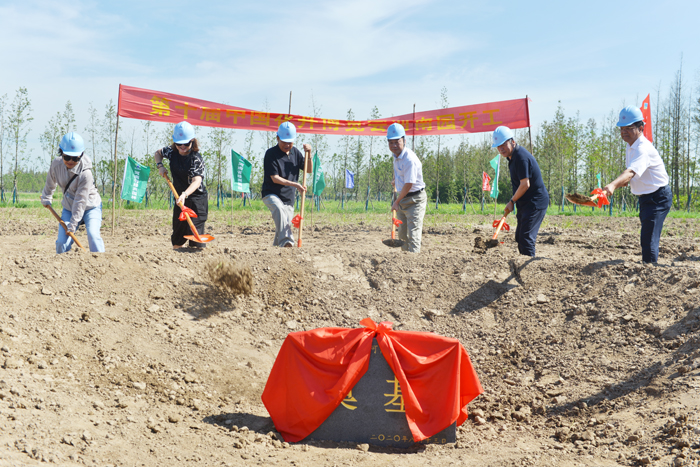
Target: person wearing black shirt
<point>187,170</point>
<point>281,182</point>
<point>529,192</point>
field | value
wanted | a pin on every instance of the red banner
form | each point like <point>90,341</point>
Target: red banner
<point>646,113</point>
<point>144,104</point>
<point>485,179</point>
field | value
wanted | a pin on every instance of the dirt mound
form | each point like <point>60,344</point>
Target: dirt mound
<point>587,356</point>
<point>236,278</point>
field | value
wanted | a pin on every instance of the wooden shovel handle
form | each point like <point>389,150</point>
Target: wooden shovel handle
<point>500,226</point>
<point>393,217</point>
<point>189,221</point>
<point>63,224</point>
<point>307,161</point>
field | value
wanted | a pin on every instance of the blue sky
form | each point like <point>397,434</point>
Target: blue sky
<point>594,57</point>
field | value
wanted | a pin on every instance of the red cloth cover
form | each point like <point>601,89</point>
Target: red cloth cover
<point>315,370</point>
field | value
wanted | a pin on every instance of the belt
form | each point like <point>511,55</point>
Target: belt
<point>413,193</point>
<point>654,192</point>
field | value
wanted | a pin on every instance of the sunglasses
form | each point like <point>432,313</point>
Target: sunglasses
<point>71,158</point>
<point>186,145</point>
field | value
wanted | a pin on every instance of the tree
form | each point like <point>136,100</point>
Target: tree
<point>92,135</point>
<point>51,137</point>
<point>345,142</point>
<point>443,105</point>
<point>3,146</point>
<point>18,123</point>
<point>221,140</point>
<point>148,135</point>
<point>108,132</point>
<point>319,143</point>
<point>67,119</point>
<point>374,115</point>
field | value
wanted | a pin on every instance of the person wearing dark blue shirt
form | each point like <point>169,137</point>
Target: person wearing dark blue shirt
<point>529,192</point>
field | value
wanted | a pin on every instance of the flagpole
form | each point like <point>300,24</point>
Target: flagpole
<point>290,102</point>
<point>114,172</point>
<point>232,198</point>
<point>498,174</point>
<point>529,130</point>
<point>413,138</point>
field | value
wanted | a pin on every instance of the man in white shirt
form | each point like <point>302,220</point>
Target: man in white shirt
<point>647,178</point>
<point>411,199</point>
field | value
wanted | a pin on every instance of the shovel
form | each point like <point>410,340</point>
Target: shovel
<point>597,200</point>
<point>393,242</point>
<point>63,224</point>
<point>185,215</point>
<point>298,220</point>
<point>498,224</point>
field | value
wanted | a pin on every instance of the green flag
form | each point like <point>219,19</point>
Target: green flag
<point>319,180</point>
<point>135,180</point>
<point>240,173</point>
<point>598,177</point>
<point>496,164</point>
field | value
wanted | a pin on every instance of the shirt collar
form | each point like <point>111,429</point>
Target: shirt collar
<point>636,144</point>
<point>403,154</point>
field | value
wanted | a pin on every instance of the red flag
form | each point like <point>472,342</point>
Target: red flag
<point>646,113</point>
<point>485,179</point>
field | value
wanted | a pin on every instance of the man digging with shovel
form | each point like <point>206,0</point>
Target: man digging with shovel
<point>411,199</point>
<point>647,177</point>
<point>281,168</point>
<point>529,192</point>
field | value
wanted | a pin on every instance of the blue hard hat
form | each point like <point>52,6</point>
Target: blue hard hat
<point>183,133</point>
<point>395,131</point>
<point>630,115</point>
<point>501,135</point>
<point>287,132</point>
<point>72,144</point>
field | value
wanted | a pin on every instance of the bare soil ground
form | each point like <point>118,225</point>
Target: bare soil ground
<point>133,357</point>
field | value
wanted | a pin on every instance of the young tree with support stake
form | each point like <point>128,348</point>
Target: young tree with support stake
<point>3,146</point>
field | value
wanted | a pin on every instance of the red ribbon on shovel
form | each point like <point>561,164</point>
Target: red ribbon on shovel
<point>186,212</point>
<point>505,227</point>
<point>296,221</point>
<point>500,224</point>
<point>396,222</point>
<point>600,196</point>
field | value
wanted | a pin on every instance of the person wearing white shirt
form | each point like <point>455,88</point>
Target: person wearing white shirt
<point>647,178</point>
<point>411,199</point>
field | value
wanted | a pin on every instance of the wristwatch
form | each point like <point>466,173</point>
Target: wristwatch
<point>159,164</point>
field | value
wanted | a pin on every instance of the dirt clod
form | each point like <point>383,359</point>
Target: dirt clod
<point>234,277</point>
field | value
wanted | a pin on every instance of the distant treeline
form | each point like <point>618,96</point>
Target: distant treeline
<point>570,152</point>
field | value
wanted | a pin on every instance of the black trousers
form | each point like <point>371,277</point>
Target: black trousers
<point>200,205</point>
<point>529,221</point>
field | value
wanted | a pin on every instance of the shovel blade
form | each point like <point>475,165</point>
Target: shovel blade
<point>393,242</point>
<point>204,238</point>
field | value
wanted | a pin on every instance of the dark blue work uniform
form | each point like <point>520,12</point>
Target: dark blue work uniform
<point>532,206</point>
